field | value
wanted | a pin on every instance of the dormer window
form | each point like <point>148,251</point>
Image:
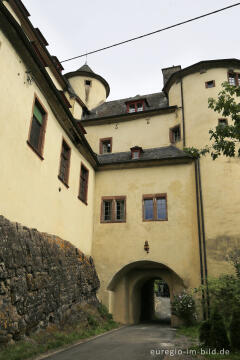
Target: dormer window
<point>135,106</point>
<point>136,152</point>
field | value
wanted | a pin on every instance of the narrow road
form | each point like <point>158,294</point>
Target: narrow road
<point>137,342</point>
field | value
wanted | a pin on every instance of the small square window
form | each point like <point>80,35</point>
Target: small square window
<point>155,207</point>
<point>222,122</point>
<point>113,209</point>
<point>175,134</point>
<point>105,146</point>
<point>210,84</point>
<point>88,82</point>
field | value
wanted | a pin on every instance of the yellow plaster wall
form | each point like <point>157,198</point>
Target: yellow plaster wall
<point>173,243</point>
<point>147,132</point>
<point>220,178</point>
<point>97,93</point>
<point>29,187</point>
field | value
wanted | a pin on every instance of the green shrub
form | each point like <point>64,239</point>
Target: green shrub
<point>92,321</point>
<point>103,311</point>
<point>204,333</point>
<point>234,330</point>
<point>183,306</point>
<point>218,333</point>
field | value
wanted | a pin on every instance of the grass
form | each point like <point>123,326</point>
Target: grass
<point>98,322</point>
<point>189,331</point>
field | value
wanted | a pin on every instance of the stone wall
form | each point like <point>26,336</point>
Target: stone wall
<point>42,277</point>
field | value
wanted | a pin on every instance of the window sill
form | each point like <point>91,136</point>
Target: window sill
<point>83,201</point>
<point>35,150</point>
<point>64,183</point>
<point>144,220</point>
<point>113,222</point>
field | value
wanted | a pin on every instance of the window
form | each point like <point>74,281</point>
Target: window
<point>234,79</point>
<point>37,129</point>
<point>83,187</point>
<point>105,146</point>
<point>64,163</point>
<point>155,207</point>
<point>135,106</point>
<point>175,134</point>
<point>210,84</point>
<point>222,122</point>
<point>88,82</point>
<point>136,152</point>
<point>113,209</point>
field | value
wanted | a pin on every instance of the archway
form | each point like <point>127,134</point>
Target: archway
<point>155,301</point>
<point>133,298</point>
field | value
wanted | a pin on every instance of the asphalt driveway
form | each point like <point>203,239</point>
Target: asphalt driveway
<point>137,342</point>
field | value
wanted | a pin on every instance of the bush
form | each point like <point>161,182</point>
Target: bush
<point>204,333</point>
<point>234,330</point>
<point>218,333</point>
<point>103,311</point>
<point>183,306</point>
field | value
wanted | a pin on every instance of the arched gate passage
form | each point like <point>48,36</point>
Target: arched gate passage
<point>132,290</point>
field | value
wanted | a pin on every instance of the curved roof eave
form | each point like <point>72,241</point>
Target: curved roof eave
<point>205,64</point>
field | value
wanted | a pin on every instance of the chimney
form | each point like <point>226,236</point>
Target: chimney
<point>167,72</point>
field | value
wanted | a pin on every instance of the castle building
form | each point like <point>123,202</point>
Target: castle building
<point>112,177</point>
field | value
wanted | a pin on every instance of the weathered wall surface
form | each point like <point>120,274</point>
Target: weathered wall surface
<point>41,278</point>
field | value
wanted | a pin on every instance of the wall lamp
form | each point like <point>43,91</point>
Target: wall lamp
<point>146,246</point>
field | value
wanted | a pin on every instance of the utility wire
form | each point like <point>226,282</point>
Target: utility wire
<point>153,32</point>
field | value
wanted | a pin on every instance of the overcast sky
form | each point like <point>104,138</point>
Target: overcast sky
<point>73,27</point>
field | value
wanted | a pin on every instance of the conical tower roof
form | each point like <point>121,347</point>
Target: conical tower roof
<point>85,70</point>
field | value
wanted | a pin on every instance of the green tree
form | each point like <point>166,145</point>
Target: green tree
<point>225,138</point>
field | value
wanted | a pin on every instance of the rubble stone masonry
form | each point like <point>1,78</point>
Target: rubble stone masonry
<point>42,278</point>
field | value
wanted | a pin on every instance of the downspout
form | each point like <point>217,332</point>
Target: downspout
<point>199,238</point>
<point>203,232</point>
<point>183,115</point>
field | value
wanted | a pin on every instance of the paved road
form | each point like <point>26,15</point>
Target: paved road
<point>128,343</point>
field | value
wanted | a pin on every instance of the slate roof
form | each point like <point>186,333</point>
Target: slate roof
<point>161,153</point>
<point>85,68</point>
<point>118,107</point>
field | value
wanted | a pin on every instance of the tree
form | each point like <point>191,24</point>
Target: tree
<point>224,137</point>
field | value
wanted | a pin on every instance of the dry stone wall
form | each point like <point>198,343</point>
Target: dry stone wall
<point>42,277</point>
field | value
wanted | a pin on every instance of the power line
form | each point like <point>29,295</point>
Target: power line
<point>151,33</point>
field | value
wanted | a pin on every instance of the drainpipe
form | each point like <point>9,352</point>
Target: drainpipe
<point>183,115</point>
<point>203,231</point>
<point>199,238</point>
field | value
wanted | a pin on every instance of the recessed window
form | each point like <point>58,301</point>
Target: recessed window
<point>210,84</point>
<point>88,82</point>
<point>234,79</point>
<point>37,129</point>
<point>135,106</point>
<point>113,209</point>
<point>155,207</point>
<point>136,151</point>
<point>83,187</point>
<point>105,146</point>
<point>64,163</point>
<point>175,134</point>
<point>222,122</point>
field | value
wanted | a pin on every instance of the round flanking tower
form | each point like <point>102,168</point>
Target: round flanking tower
<point>89,86</point>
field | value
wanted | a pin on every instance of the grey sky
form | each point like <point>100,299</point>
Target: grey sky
<point>75,26</point>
